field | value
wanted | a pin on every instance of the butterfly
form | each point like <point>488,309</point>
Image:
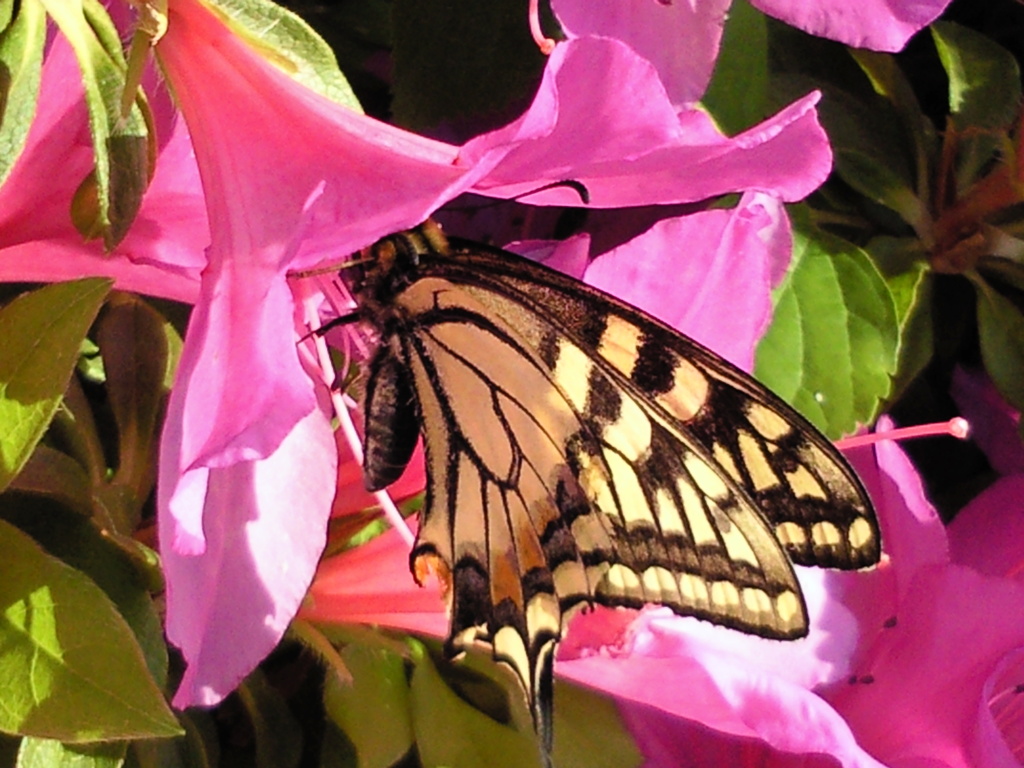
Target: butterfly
<point>580,452</point>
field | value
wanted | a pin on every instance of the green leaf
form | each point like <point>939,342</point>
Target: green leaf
<point>21,60</point>
<point>904,268</point>
<point>984,97</point>
<point>54,474</point>
<point>286,41</point>
<point>74,429</point>
<point>278,736</point>
<point>71,669</point>
<point>450,732</point>
<point>737,96</point>
<point>888,81</point>
<point>79,543</point>
<point>47,753</point>
<point>107,201</point>
<point>832,344</point>
<point>42,331</point>
<point>1001,334</point>
<point>133,343</point>
<point>589,731</point>
<point>373,709</point>
<point>462,60</point>
<point>984,78</point>
<point>873,153</point>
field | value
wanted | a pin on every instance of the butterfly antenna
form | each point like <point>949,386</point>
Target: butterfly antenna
<point>332,268</point>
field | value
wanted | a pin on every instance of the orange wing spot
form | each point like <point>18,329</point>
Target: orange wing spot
<point>428,565</point>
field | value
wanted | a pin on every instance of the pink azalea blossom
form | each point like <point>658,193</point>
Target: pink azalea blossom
<point>986,534</point>
<point>881,25</point>
<point>681,40</point>
<point>642,151</point>
<point>247,468</point>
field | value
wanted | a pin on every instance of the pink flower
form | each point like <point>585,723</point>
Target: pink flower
<point>882,25</point>
<point>681,40</point>
<point>247,469</point>
<point>371,584</point>
<point>602,117</point>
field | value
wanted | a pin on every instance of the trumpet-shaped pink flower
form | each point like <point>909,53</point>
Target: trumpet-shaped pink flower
<point>247,467</point>
<point>681,40</point>
<point>602,117</point>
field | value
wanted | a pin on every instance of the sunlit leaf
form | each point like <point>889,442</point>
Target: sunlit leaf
<point>47,753</point>
<point>832,344</point>
<point>71,669</point>
<point>21,59</point>
<point>286,40</point>
<point>42,331</point>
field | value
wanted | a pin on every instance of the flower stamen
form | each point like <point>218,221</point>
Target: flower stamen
<point>957,427</point>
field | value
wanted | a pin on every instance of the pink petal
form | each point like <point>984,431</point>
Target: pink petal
<point>994,424</point>
<point>239,389</point>
<point>654,31</point>
<point>765,714</point>
<point>371,584</point>
<point>919,695</point>
<point>276,190</point>
<point>264,528</point>
<point>988,534</point>
<point>882,25</point>
<point>265,143</point>
<point>708,255</point>
<point>290,180</point>
<point>999,734</point>
<point>35,199</point>
<point>913,535</point>
<point>641,152</point>
<point>45,261</point>
<point>570,256</point>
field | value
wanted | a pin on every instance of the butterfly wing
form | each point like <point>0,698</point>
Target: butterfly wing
<point>799,481</point>
<point>554,482</point>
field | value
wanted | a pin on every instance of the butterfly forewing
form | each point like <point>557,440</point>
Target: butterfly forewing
<point>801,483</point>
<point>580,452</point>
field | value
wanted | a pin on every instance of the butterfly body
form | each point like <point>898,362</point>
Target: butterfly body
<point>580,452</point>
